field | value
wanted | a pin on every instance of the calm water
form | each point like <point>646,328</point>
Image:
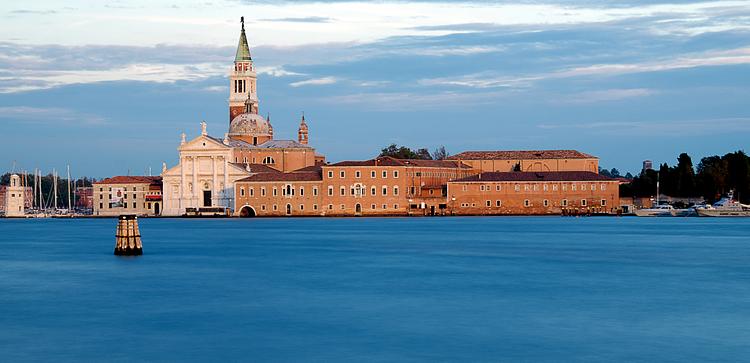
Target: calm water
<point>420,289</point>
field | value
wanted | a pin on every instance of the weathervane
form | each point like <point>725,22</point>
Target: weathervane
<point>242,20</point>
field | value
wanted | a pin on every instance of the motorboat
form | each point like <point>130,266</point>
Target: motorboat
<point>726,207</point>
<point>663,210</point>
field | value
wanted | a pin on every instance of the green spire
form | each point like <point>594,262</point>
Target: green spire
<point>243,50</point>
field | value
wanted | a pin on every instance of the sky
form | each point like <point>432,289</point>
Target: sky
<point>109,86</point>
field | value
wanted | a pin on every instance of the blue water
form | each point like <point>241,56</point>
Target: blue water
<point>418,289</point>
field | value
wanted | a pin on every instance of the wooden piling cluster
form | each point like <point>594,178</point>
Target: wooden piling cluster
<point>128,237</point>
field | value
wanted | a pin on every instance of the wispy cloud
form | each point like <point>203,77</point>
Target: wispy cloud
<point>315,82</point>
<point>606,95</point>
<point>308,19</point>
<point>713,126</point>
<point>48,116</point>
<point>277,71</point>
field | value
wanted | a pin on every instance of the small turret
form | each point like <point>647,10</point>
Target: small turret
<point>302,133</point>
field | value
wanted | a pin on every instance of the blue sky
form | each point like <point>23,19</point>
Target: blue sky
<point>108,86</point>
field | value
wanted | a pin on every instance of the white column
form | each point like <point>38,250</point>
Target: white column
<point>227,196</point>
<point>195,182</point>
<point>215,182</point>
<point>182,183</point>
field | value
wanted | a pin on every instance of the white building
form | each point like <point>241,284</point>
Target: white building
<point>14,197</point>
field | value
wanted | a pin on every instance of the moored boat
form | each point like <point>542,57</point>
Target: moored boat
<point>664,210</point>
<point>726,207</point>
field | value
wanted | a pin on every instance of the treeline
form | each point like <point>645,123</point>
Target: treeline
<point>47,185</point>
<point>713,178</point>
<point>403,152</point>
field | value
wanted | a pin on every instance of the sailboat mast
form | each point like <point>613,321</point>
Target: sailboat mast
<point>657,189</point>
<point>54,184</point>
<point>69,201</point>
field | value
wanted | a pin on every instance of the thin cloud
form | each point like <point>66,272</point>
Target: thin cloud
<point>315,82</point>
<point>308,19</point>
<point>48,116</point>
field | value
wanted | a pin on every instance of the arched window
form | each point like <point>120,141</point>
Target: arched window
<point>268,160</point>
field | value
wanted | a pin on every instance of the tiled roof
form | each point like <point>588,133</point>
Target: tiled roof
<point>123,179</point>
<point>521,154</point>
<point>283,177</point>
<point>536,176</point>
<point>390,161</point>
<point>270,144</point>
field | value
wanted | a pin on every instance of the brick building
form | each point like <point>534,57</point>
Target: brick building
<point>380,186</point>
<point>564,192</point>
<point>140,195</point>
<point>528,160</point>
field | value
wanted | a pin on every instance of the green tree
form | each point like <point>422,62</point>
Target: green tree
<point>685,177</point>
<point>403,152</point>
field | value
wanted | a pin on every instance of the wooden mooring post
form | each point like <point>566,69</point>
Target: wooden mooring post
<point>128,237</point>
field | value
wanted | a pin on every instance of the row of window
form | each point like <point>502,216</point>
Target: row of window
<point>289,210</point>
<point>287,191</point>
<point>535,187</point>
<point>360,191</point>
<point>240,86</point>
<point>358,174</point>
<point>266,161</point>
<point>135,189</point>
<point>527,203</point>
<point>125,205</point>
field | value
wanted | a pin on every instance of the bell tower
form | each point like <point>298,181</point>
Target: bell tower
<point>302,132</point>
<point>242,79</point>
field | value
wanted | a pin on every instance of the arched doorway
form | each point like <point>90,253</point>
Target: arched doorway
<point>247,212</point>
<point>358,209</point>
<point>288,209</point>
<point>156,209</point>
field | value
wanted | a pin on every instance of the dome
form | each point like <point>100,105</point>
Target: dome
<point>249,124</point>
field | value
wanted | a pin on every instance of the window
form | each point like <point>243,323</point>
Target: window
<point>526,187</point>
<point>357,174</point>
<point>101,205</point>
<point>372,174</point>
<point>242,191</point>
<point>604,202</point>
<point>315,207</point>
<point>315,191</point>
<point>583,186</point>
<point>489,203</point>
<point>395,190</point>
<point>330,174</point>
<point>498,203</point>
<point>342,174</point>
<point>330,191</point>
<point>545,187</point>
<point>395,174</point>
<point>343,207</point>
<point>583,202</point>
<point>275,207</point>
<point>385,206</point>
<point>385,174</point>
<point>481,187</point>
<point>343,191</point>
<point>463,188</point>
<point>593,187</point>
<point>573,187</point>
<point>565,187</point>
<point>263,191</point>
<point>373,206</point>
<point>554,187</point>
<point>385,191</point>
<point>134,205</point>
<point>497,187</point>
<point>536,187</point>
<point>603,187</point>
<point>546,203</point>
<point>275,192</point>
<point>527,203</point>
<point>395,206</point>
<point>301,191</point>
<point>517,187</point>
<point>288,190</point>
<point>301,207</point>
<point>252,192</point>
<point>564,203</point>
<point>330,207</point>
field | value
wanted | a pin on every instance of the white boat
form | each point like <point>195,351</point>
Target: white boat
<point>686,212</point>
<point>726,207</point>
<point>664,210</point>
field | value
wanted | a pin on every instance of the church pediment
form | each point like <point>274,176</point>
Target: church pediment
<point>204,143</point>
